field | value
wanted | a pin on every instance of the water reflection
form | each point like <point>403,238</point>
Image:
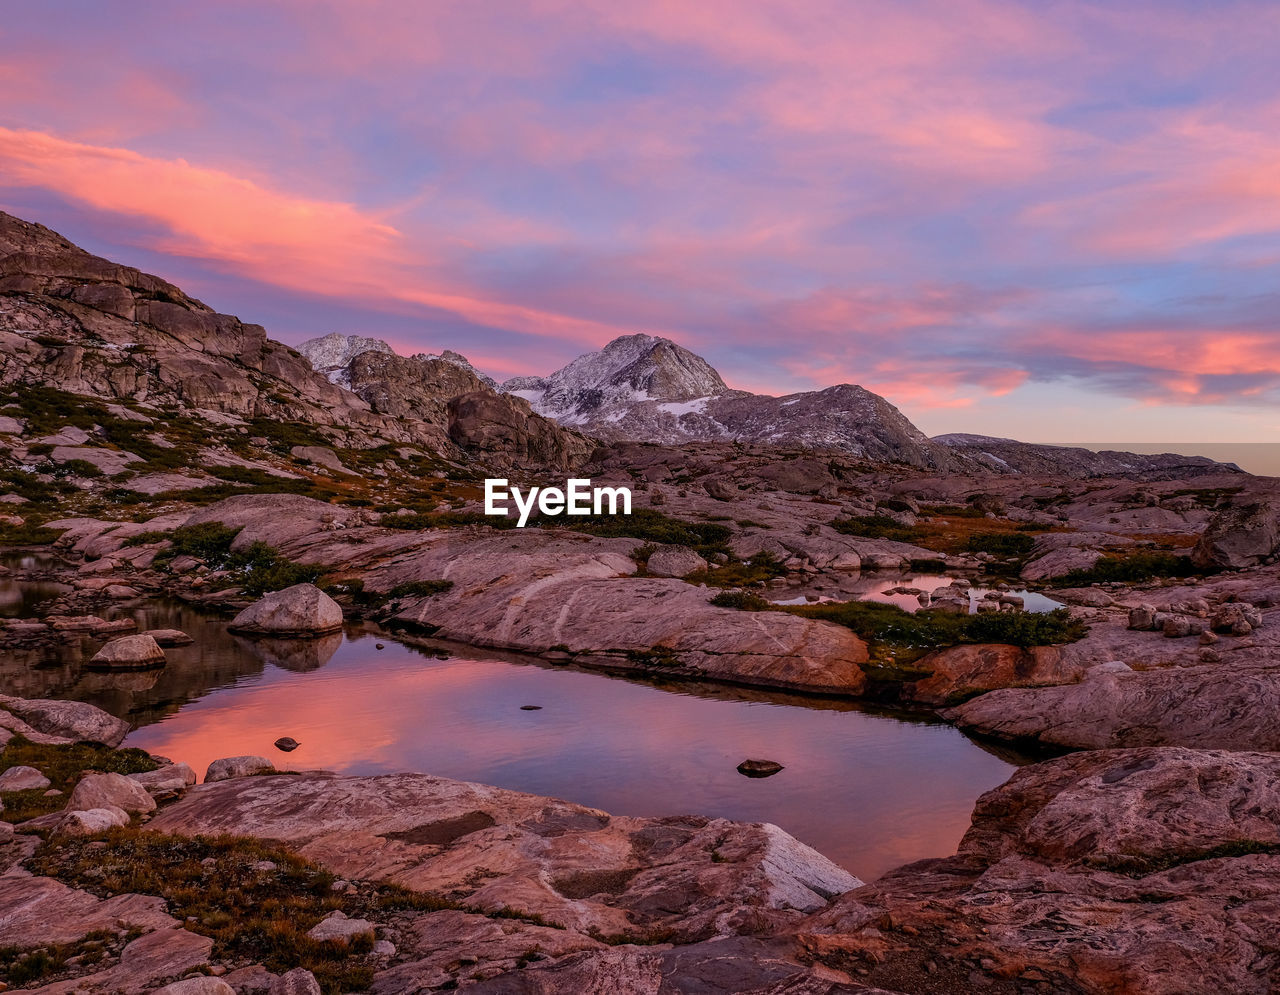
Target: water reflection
<point>870,789</point>
<point>889,590</point>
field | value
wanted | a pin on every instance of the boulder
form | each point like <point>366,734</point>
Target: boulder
<point>959,672</point>
<point>1060,562</point>
<point>759,768</point>
<point>110,790</point>
<point>320,455</point>
<point>299,981</point>
<point>338,928</point>
<point>166,781</point>
<point>301,610</point>
<point>675,561</point>
<point>1240,535</point>
<point>286,744</point>
<point>93,821</point>
<point>230,767</point>
<point>23,779</point>
<point>1142,618</point>
<point>129,652</point>
<point>67,721</point>
<point>168,637</point>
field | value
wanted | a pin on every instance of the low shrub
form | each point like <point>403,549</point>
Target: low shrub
<point>1002,544</point>
<point>1131,568</point>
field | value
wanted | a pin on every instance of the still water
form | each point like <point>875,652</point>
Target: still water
<point>870,789</point>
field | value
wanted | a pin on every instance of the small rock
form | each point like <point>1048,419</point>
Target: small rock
<point>229,767</point>
<point>384,948</point>
<point>530,708</point>
<point>264,866</point>
<point>1177,627</point>
<point>378,646</point>
<point>6,832</point>
<point>23,779</point>
<point>759,768</point>
<point>286,744</point>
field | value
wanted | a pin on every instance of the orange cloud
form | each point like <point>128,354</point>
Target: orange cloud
<point>319,247</point>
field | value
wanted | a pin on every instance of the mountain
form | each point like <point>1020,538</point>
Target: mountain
<point>333,354</point>
<point>1011,456</point>
<point>79,324</point>
<point>646,388</point>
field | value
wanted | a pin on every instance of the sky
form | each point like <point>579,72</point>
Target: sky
<point>1049,220</point>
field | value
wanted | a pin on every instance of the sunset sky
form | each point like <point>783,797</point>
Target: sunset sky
<point>1050,220</point>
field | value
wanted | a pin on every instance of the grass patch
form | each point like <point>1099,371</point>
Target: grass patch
<point>420,588</point>
<point>257,569</point>
<point>1006,545</point>
<point>27,535</point>
<point>62,765</point>
<point>21,966</point>
<point>251,915</point>
<point>755,572</point>
<point>647,525</point>
<point>879,527</point>
<point>888,627</point>
<point>1131,568</point>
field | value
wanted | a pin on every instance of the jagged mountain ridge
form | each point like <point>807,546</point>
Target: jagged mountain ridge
<point>647,388</point>
<point>334,353</point>
<point>85,325</point>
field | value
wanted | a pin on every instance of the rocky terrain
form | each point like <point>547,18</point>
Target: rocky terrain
<point>150,447</point>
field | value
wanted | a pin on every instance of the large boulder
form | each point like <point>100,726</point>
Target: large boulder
<point>301,610</point>
<point>232,767</point>
<point>675,561</point>
<point>1239,535</point>
<point>134,652</point>
<point>960,672</point>
<point>90,822</point>
<point>61,721</point>
<point>108,790</point>
<point>22,779</point>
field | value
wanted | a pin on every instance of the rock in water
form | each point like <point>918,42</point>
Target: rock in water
<point>759,768</point>
<point>301,610</point>
<point>169,637</point>
<point>128,653</point>
<point>287,744</point>
<point>229,767</point>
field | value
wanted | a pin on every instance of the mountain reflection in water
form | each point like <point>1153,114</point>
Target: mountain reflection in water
<point>870,789</point>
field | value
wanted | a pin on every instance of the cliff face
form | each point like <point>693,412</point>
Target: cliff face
<point>76,322</point>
